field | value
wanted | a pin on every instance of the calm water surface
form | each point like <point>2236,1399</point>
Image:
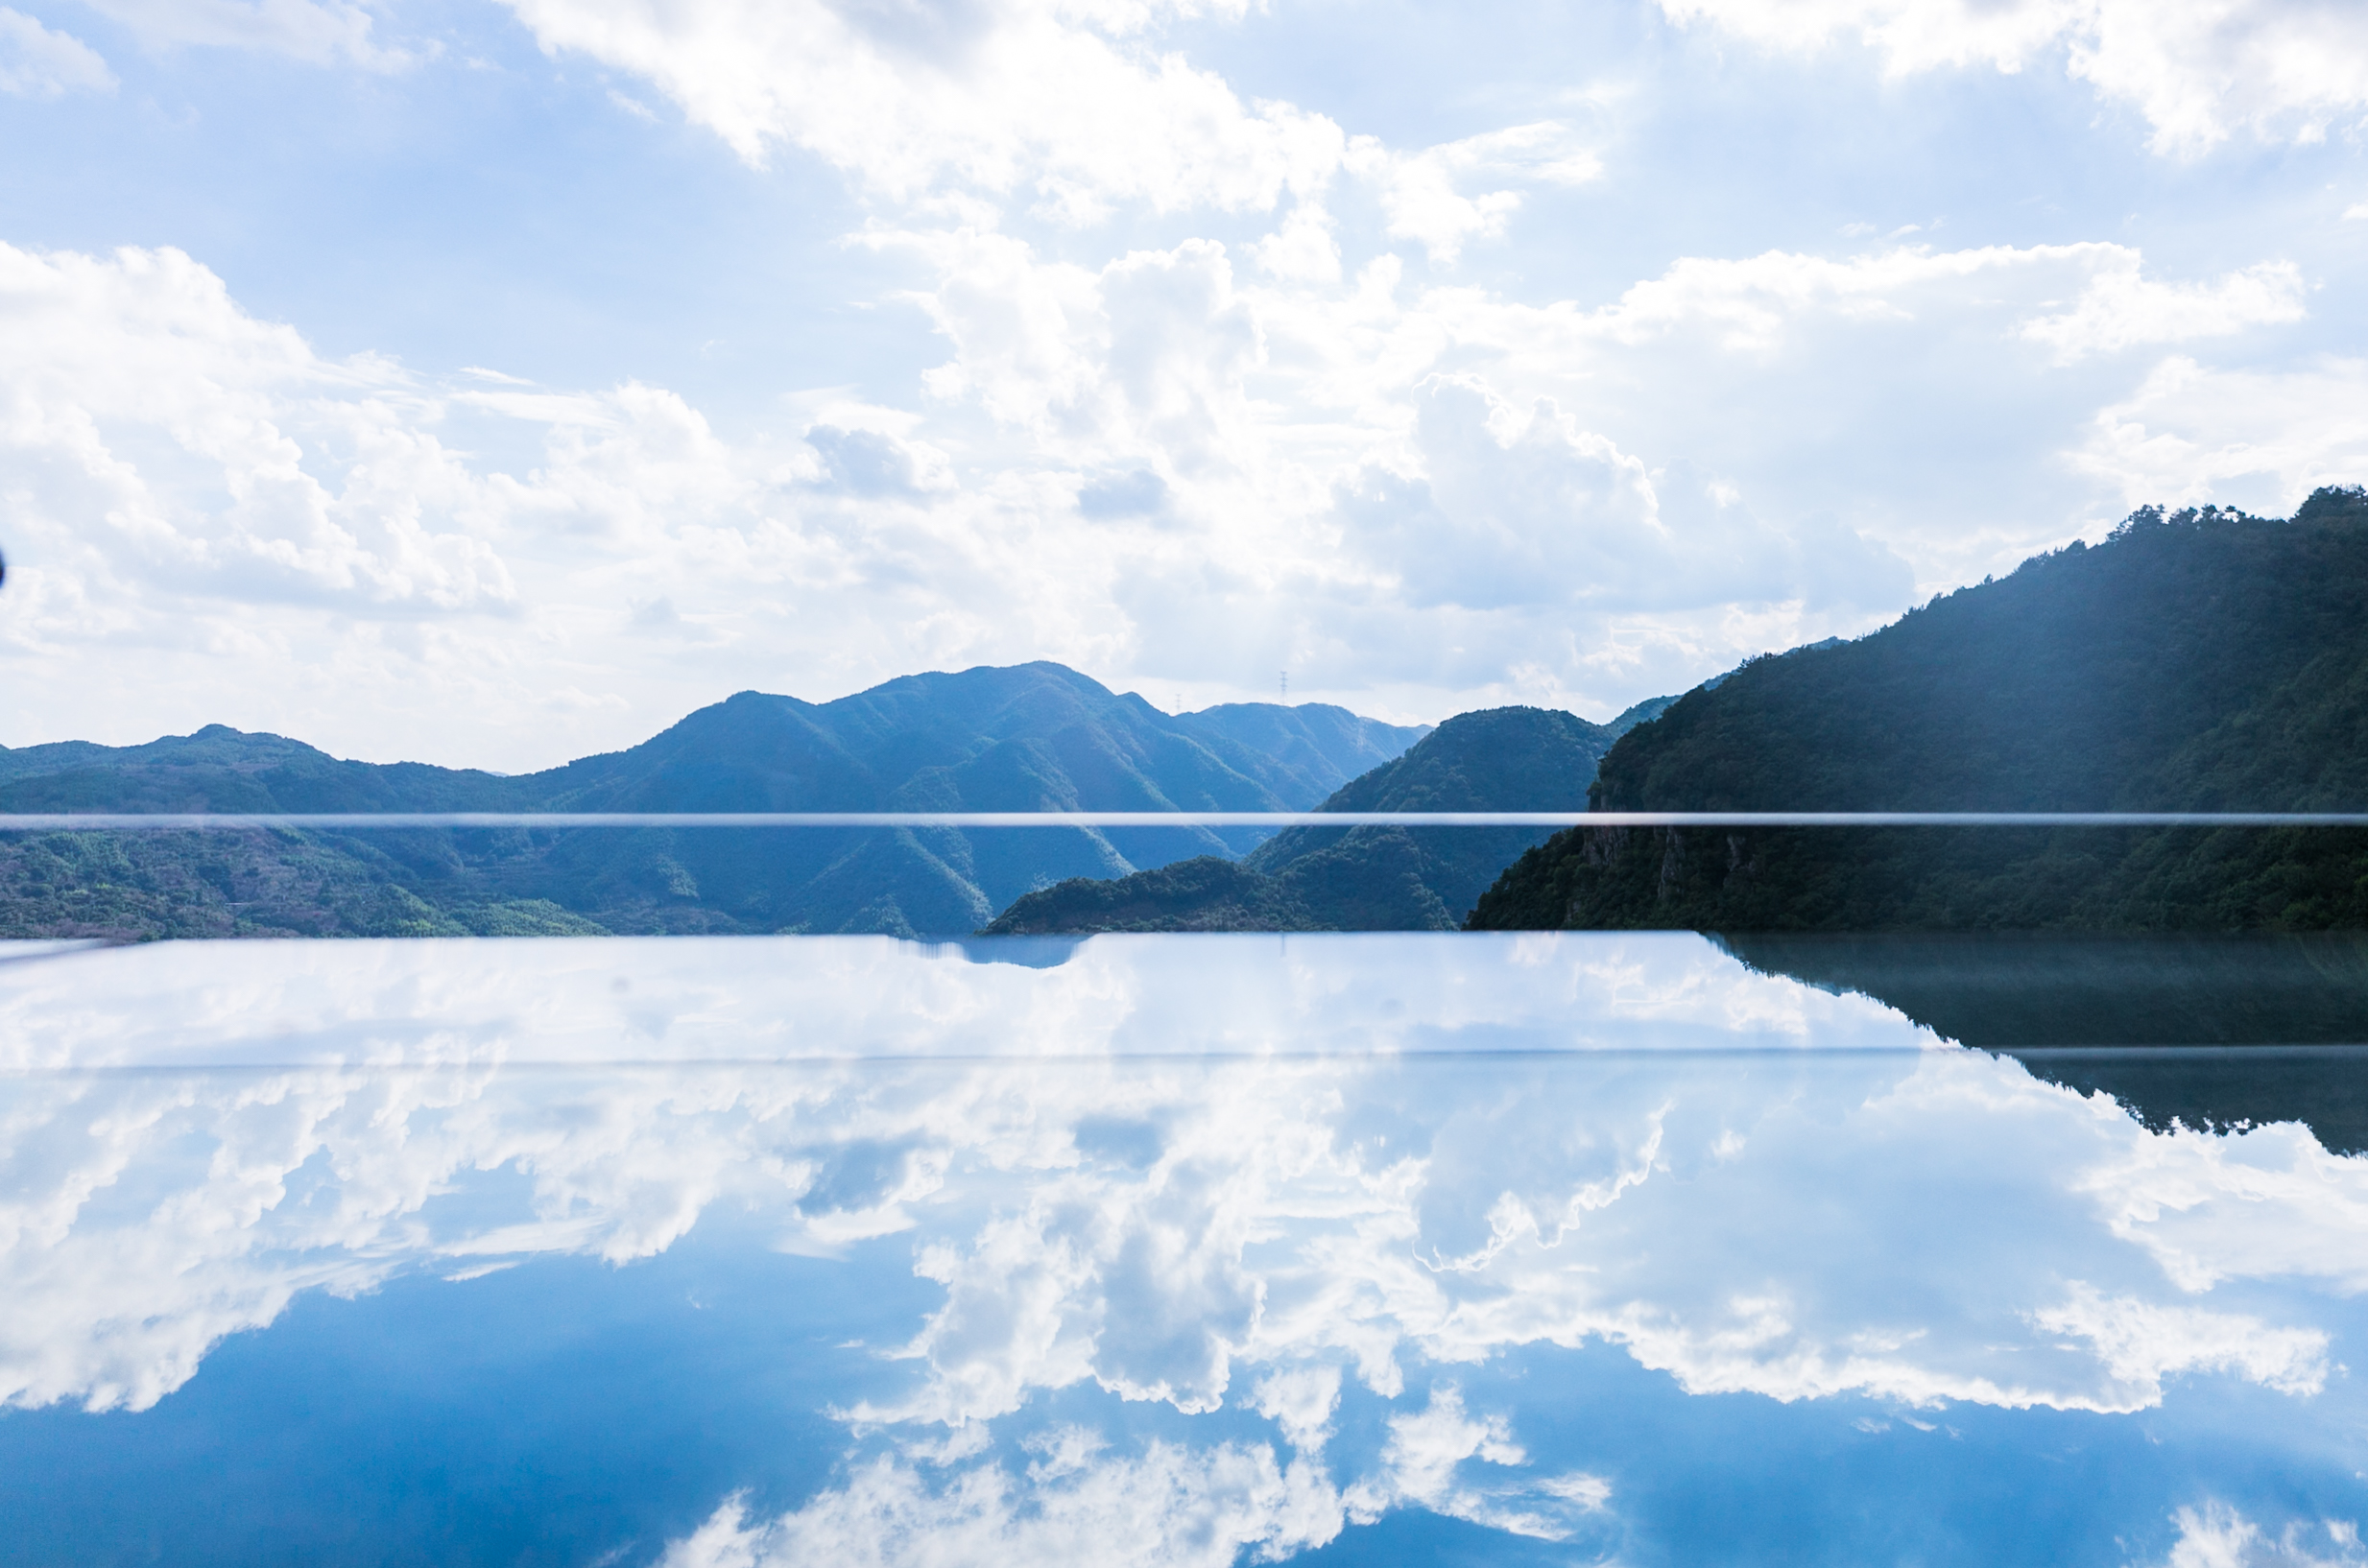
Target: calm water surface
<point>1198,1251</point>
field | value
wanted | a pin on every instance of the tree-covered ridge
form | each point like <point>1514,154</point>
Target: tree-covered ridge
<point>2198,660</point>
<point>2282,1006</point>
<point>1035,737</point>
<point>1358,878</point>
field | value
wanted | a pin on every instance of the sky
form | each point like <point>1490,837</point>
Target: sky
<point>492,384</point>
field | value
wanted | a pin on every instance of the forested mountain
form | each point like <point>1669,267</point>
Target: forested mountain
<point>1360,878</point>
<point>2282,1006</point>
<point>2206,661</point>
<point>1034,737</point>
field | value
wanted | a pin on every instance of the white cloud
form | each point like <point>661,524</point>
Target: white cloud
<point>1301,1400</point>
<point>2198,71</point>
<point>912,103</point>
<point>1419,193</point>
<point>35,62</point>
<point>1425,1464</point>
<point>1524,508</point>
<point>2119,309</point>
<point>1753,303</point>
<point>2142,1342</point>
<point>317,32</point>
<point>1064,99</point>
<point>2216,1535</point>
<point>1248,1231</point>
<point>1182,464</point>
<point>1171,1506</point>
<point>1256,1229</point>
<point>2260,438</point>
<point>1303,248</point>
<point>126,370</point>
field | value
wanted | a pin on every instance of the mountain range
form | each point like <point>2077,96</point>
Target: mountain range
<point>1028,738</point>
<point>1368,878</point>
<point>2200,661</point>
<point>2204,659</point>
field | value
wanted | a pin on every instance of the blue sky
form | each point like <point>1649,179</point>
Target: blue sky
<point>491,384</point>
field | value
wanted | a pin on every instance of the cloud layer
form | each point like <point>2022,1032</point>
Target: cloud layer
<point>2197,72</point>
<point>1199,382</point>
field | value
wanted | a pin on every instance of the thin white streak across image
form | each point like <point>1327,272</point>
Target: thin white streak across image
<point>117,822</point>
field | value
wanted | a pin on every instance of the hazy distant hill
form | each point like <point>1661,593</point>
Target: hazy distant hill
<point>1034,737</point>
<point>2207,660</point>
<point>1361,878</point>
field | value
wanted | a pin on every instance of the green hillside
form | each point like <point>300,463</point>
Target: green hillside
<point>2206,661</point>
<point>1360,878</point>
<point>1034,737</point>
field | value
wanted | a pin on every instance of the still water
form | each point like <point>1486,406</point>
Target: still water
<point>1183,1250</point>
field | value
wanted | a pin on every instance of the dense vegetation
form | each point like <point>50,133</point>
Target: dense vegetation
<point>2205,660</point>
<point>1360,878</point>
<point>1035,737</point>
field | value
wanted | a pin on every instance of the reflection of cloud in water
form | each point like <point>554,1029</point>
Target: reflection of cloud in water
<point>1168,1508</point>
<point>2216,1535</point>
<point>756,999</point>
<point>1230,1235</point>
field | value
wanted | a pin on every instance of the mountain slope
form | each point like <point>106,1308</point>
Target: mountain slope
<point>1360,878</point>
<point>1028,738</point>
<point>2269,1004</point>
<point>2207,660</point>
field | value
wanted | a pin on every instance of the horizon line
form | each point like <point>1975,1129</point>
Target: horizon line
<point>553,821</point>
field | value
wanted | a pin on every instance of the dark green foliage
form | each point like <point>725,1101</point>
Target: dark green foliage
<point>135,886</point>
<point>1035,737</point>
<point>1360,878</point>
<point>1643,713</point>
<point>2201,661</point>
<point>2248,1028</point>
<point>1204,894</point>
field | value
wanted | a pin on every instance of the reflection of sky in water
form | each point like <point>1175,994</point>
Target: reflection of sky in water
<point>1161,1250</point>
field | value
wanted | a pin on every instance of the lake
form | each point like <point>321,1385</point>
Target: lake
<point>1539,1248</point>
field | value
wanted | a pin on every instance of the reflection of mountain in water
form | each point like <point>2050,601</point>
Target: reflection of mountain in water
<point>2208,1031</point>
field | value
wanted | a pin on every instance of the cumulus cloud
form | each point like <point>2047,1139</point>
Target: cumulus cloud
<point>36,63</point>
<point>1246,1233</point>
<point>1515,507</point>
<point>2216,1535</point>
<point>2119,309</point>
<point>1421,193</point>
<point>1752,302</point>
<point>1069,101</point>
<point>1201,1509</point>
<point>872,462</point>
<point>2142,1342</point>
<point>2263,438</point>
<point>1393,1224</point>
<point>1179,460</point>
<point>2197,72</point>
<point>1427,1462</point>
<point>139,363</point>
